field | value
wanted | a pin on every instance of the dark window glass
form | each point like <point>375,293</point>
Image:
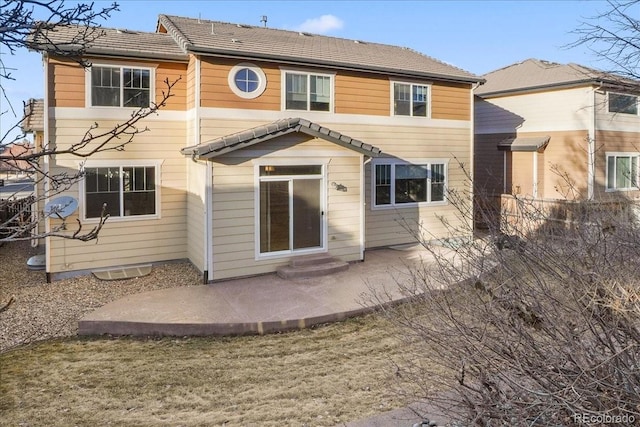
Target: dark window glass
<point>247,80</point>
<point>135,186</point>
<point>626,104</point>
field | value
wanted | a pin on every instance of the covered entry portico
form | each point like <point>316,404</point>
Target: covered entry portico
<point>288,188</point>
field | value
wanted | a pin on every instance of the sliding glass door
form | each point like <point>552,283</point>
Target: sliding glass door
<point>291,208</point>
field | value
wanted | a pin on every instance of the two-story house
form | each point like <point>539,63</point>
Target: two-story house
<point>275,144</point>
<point>557,132</point>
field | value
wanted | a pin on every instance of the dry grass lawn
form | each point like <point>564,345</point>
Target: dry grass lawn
<point>321,377</point>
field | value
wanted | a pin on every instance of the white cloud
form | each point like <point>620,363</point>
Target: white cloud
<point>321,25</point>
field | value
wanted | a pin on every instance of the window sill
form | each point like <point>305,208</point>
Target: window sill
<point>121,219</point>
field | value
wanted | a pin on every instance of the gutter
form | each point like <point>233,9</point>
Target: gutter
<point>334,65</point>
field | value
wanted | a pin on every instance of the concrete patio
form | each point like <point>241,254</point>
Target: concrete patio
<point>258,305</point>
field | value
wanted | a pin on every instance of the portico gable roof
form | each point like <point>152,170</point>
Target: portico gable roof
<point>249,137</point>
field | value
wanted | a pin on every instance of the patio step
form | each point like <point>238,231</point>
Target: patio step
<point>315,265</point>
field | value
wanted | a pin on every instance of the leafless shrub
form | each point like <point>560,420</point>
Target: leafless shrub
<point>535,322</point>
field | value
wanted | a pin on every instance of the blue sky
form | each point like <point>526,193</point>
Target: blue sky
<point>478,36</point>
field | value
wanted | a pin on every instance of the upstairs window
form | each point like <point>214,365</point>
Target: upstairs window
<point>247,80</point>
<point>128,191</point>
<point>308,92</point>
<point>411,99</point>
<point>622,171</point>
<point>120,87</point>
<point>397,184</point>
<point>625,104</point>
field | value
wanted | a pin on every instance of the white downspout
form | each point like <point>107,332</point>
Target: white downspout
<point>208,188</point>
<point>591,149</point>
<point>472,151</point>
<point>45,164</point>
<point>535,174</point>
<point>363,189</point>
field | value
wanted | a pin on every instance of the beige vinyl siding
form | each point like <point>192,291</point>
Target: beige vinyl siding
<point>196,212</point>
<point>551,111</point>
<point>126,241</point>
<point>67,82</point>
<point>615,122</point>
<point>391,226</point>
<point>234,230</point>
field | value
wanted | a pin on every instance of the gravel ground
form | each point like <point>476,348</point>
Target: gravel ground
<point>43,310</point>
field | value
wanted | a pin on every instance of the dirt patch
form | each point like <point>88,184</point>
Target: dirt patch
<point>47,310</point>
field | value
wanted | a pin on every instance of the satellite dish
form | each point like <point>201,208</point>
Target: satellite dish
<point>61,207</point>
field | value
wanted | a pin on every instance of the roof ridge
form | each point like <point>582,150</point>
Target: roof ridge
<point>178,36</point>
<point>362,41</point>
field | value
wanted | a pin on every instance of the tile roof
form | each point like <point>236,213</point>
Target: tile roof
<point>243,41</point>
<point>275,129</point>
<point>533,74</point>
<point>33,116</point>
<point>12,157</point>
<point>108,41</point>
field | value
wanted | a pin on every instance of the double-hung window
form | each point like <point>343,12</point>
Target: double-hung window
<point>411,99</point>
<point>622,171</point>
<point>120,86</point>
<point>308,91</point>
<point>625,104</point>
<point>398,184</point>
<point>128,191</point>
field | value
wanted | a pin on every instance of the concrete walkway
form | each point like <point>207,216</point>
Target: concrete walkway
<point>269,304</point>
<point>257,305</point>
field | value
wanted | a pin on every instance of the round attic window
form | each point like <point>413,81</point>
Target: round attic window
<point>247,81</point>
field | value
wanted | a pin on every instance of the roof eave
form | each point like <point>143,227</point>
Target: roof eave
<point>79,51</point>
<point>338,65</point>
<point>541,88</point>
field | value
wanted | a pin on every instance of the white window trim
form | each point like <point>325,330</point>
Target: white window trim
<point>606,171</point>
<point>262,80</point>
<point>392,95</point>
<point>324,162</point>
<point>121,164</point>
<point>417,162</point>
<point>152,84</point>
<point>283,94</point>
<point>621,112</point>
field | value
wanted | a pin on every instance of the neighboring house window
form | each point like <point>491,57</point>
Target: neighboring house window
<point>247,80</point>
<point>397,184</point>
<point>308,92</point>
<point>120,86</point>
<point>622,171</point>
<point>410,99</point>
<point>128,191</point>
<point>620,103</point>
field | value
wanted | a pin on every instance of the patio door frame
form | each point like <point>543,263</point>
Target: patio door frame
<point>322,178</point>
